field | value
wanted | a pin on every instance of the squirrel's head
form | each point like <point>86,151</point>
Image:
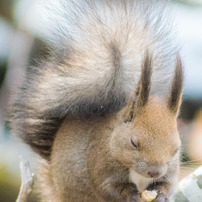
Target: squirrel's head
<point>148,140</point>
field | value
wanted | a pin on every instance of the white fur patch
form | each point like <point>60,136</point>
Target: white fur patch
<point>140,181</point>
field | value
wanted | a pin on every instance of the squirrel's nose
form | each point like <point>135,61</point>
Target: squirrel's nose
<point>156,171</point>
<point>153,174</point>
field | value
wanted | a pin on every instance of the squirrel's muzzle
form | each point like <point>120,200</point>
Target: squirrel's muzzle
<point>156,171</point>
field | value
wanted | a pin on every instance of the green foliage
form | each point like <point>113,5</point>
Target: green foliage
<point>190,2</point>
<point>9,184</point>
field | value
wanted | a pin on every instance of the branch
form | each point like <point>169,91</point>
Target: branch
<point>6,8</point>
<point>190,188</point>
<point>27,180</point>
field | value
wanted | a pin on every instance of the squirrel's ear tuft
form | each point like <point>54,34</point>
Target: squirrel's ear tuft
<point>142,94</point>
<point>144,83</point>
<point>175,97</point>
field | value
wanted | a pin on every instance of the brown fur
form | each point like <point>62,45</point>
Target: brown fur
<point>73,108</point>
<point>142,94</point>
<point>177,87</point>
<point>92,158</point>
<point>46,184</point>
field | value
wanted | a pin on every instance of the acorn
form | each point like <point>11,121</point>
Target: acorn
<point>149,195</point>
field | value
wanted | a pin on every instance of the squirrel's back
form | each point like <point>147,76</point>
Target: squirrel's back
<point>95,64</point>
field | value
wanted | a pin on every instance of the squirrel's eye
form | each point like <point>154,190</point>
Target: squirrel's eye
<point>134,142</point>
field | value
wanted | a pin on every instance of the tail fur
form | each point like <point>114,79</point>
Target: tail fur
<point>95,65</point>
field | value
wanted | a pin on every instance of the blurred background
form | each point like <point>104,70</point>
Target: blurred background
<point>21,43</point>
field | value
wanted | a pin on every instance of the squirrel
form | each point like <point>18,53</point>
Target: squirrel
<point>102,110</point>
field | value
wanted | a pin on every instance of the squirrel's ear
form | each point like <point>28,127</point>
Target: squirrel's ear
<point>142,94</point>
<point>175,97</point>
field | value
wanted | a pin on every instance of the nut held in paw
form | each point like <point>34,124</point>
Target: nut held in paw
<point>149,195</point>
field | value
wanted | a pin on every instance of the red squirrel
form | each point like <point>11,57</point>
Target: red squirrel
<point>102,110</point>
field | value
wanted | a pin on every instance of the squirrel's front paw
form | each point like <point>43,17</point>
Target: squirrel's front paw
<point>162,198</point>
<point>136,198</point>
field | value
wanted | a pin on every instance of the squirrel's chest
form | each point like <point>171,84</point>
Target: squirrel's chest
<point>140,181</point>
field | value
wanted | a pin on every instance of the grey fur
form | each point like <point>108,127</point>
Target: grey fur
<point>95,65</point>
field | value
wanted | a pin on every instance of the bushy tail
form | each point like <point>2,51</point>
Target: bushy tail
<point>94,67</point>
